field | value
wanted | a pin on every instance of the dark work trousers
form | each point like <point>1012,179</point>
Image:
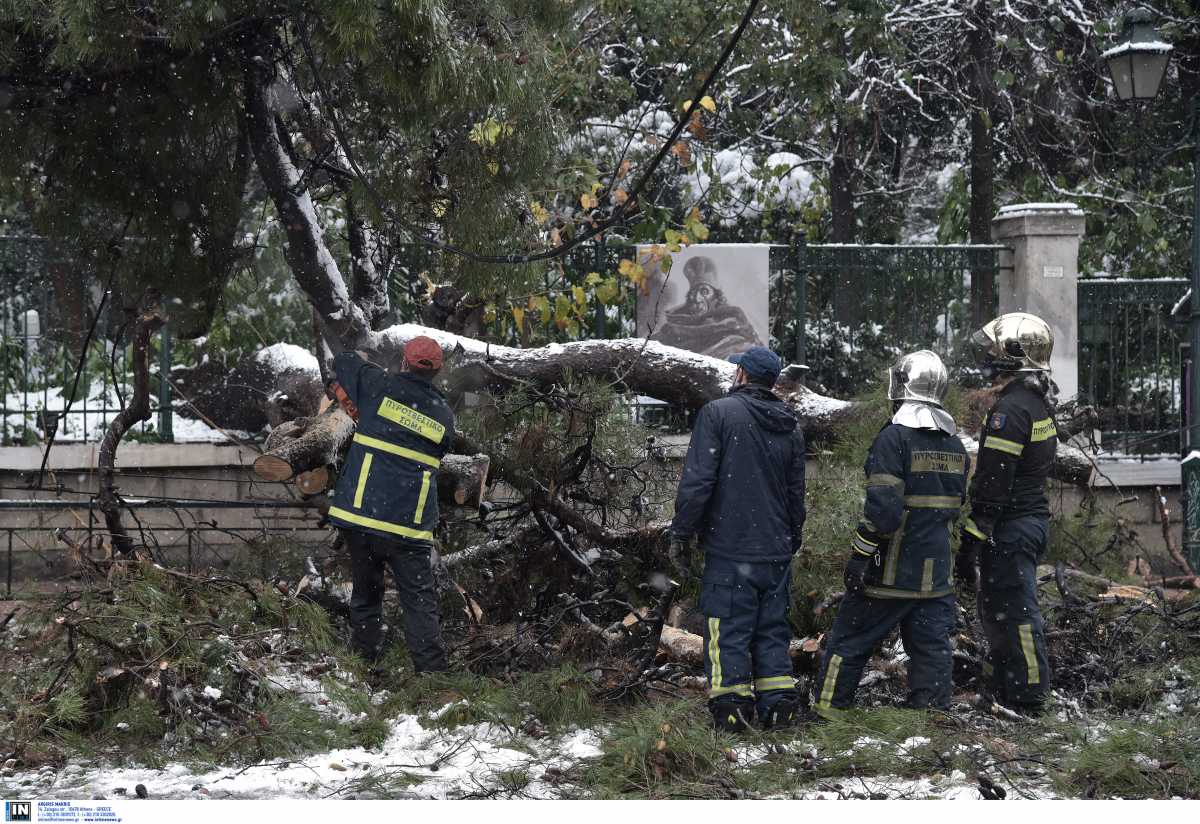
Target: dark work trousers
<point>746,631</point>
<point>413,571</point>
<point>861,625</point>
<point>1008,609</point>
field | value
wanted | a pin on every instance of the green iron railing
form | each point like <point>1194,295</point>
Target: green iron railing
<point>1130,362</point>
<point>41,334</point>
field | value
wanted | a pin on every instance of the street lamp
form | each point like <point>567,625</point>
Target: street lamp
<point>1137,66</point>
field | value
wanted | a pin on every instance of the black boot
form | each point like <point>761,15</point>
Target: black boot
<point>782,712</point>
<point>732,713</point>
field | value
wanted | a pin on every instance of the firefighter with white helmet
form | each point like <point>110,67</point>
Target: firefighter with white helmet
<point>1008,524</point>
<point>899,571</point>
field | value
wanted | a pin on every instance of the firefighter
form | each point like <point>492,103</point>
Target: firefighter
<point>899,571</point>
<point>742,496</point>
<point>385,501</point>
<point>1008,523</point>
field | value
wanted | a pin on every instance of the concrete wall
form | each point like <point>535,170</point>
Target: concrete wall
<point>202,472</point>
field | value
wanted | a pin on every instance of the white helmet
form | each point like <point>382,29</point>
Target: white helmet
<point>919,376</point>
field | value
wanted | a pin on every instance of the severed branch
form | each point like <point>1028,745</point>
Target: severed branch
<point>1164,516</point>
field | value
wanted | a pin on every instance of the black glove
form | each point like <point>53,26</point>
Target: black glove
<point>966,573</point>
<point>681,559</point>
<point>856,571</point>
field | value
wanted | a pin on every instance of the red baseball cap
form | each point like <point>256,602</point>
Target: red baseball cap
<point>423,352</point>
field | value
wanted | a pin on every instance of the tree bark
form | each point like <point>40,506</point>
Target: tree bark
<point>850,290</point>
<point>307,253</point>
<point>983,156</point>
<point>137,410</point>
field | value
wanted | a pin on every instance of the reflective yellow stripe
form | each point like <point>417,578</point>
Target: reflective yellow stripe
<point>927,576</point>
<point>893,557</point>
<point>384,446</point>
<point>736,689</point>
<point>971,527</point>
<point>1031,664</point>
<point>411,419</point>
<point>933,501</point>
<point>362,479</point>
<point>864,546</point>
<point>714,652</point>
<point>831,674</point>
<point>895,592</point>
<point>883,479</point>
<point>382,526</point>
<point>827,712</point>
<point>1002,445</point>
<point>1043,430</point>
<point>778,682</point>
<point>421,498</point>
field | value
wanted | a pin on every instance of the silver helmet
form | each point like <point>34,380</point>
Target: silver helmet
<point>919,376</point>
<point>1016,342</point>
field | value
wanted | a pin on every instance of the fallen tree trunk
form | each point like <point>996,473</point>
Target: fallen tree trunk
<point>635,364</point>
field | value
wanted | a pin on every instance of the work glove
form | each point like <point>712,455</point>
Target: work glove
<point>856,571</point>
<point>966,571</point>
<point>681,559</point>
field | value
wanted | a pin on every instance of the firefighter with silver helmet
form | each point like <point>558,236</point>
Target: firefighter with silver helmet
<point>899,571</point>
<point>1008,524</point>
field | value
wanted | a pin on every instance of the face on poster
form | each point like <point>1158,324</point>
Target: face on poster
<point>712,301</point>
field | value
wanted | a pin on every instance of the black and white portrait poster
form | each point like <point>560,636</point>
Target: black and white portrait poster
<point>712,301</point>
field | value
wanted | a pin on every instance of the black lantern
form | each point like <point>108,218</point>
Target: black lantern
<point>1138,64</point>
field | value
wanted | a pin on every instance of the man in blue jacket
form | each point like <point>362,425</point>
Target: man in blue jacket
<point>742,495</point>
<point>899,567</point>
<point>385,500</point>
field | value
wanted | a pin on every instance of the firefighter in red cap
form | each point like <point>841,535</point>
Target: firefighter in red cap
<point>385,500</point>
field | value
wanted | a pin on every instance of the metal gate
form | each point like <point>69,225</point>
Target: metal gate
<point>849,311</point>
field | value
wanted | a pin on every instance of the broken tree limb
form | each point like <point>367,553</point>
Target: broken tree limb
<point>315,443</point>
<point>1164,517</point>
<point>462,479</point>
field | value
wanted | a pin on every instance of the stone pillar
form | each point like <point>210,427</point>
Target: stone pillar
<point>1039,274</point>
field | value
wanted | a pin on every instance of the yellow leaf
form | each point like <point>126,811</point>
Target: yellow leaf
<point>686,105</point>
<point>579,294</point>
<point>708,103</point>
<point>489,313</point>
<point>634,271</point>
<point>539,212</point>
<point>592,278</point>
<point>493,167</point>
<point>541,305</point>
<point>518,317</point>
<point>607,291</point>
<point>588,201</point>
<point>620,195</point>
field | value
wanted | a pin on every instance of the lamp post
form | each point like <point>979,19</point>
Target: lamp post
<point>1137,66</point>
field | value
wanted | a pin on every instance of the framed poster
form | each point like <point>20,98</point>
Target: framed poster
<point>713,299</point>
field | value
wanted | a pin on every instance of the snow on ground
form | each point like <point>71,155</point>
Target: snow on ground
<point>414,762</point>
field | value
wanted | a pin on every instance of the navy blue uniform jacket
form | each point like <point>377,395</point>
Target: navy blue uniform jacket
<point>388,485</point>
<point>915,487</point>
<point>742,489</point>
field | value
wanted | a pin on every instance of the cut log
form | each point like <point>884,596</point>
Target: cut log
<point>681,646</point>
<point>462,479</point>
<point>317,444</point>
<point>314,481</point>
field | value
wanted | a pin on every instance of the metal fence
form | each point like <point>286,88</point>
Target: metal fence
<point>1129,361</point>
<point>46,310</point>
<point>858,307</point>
